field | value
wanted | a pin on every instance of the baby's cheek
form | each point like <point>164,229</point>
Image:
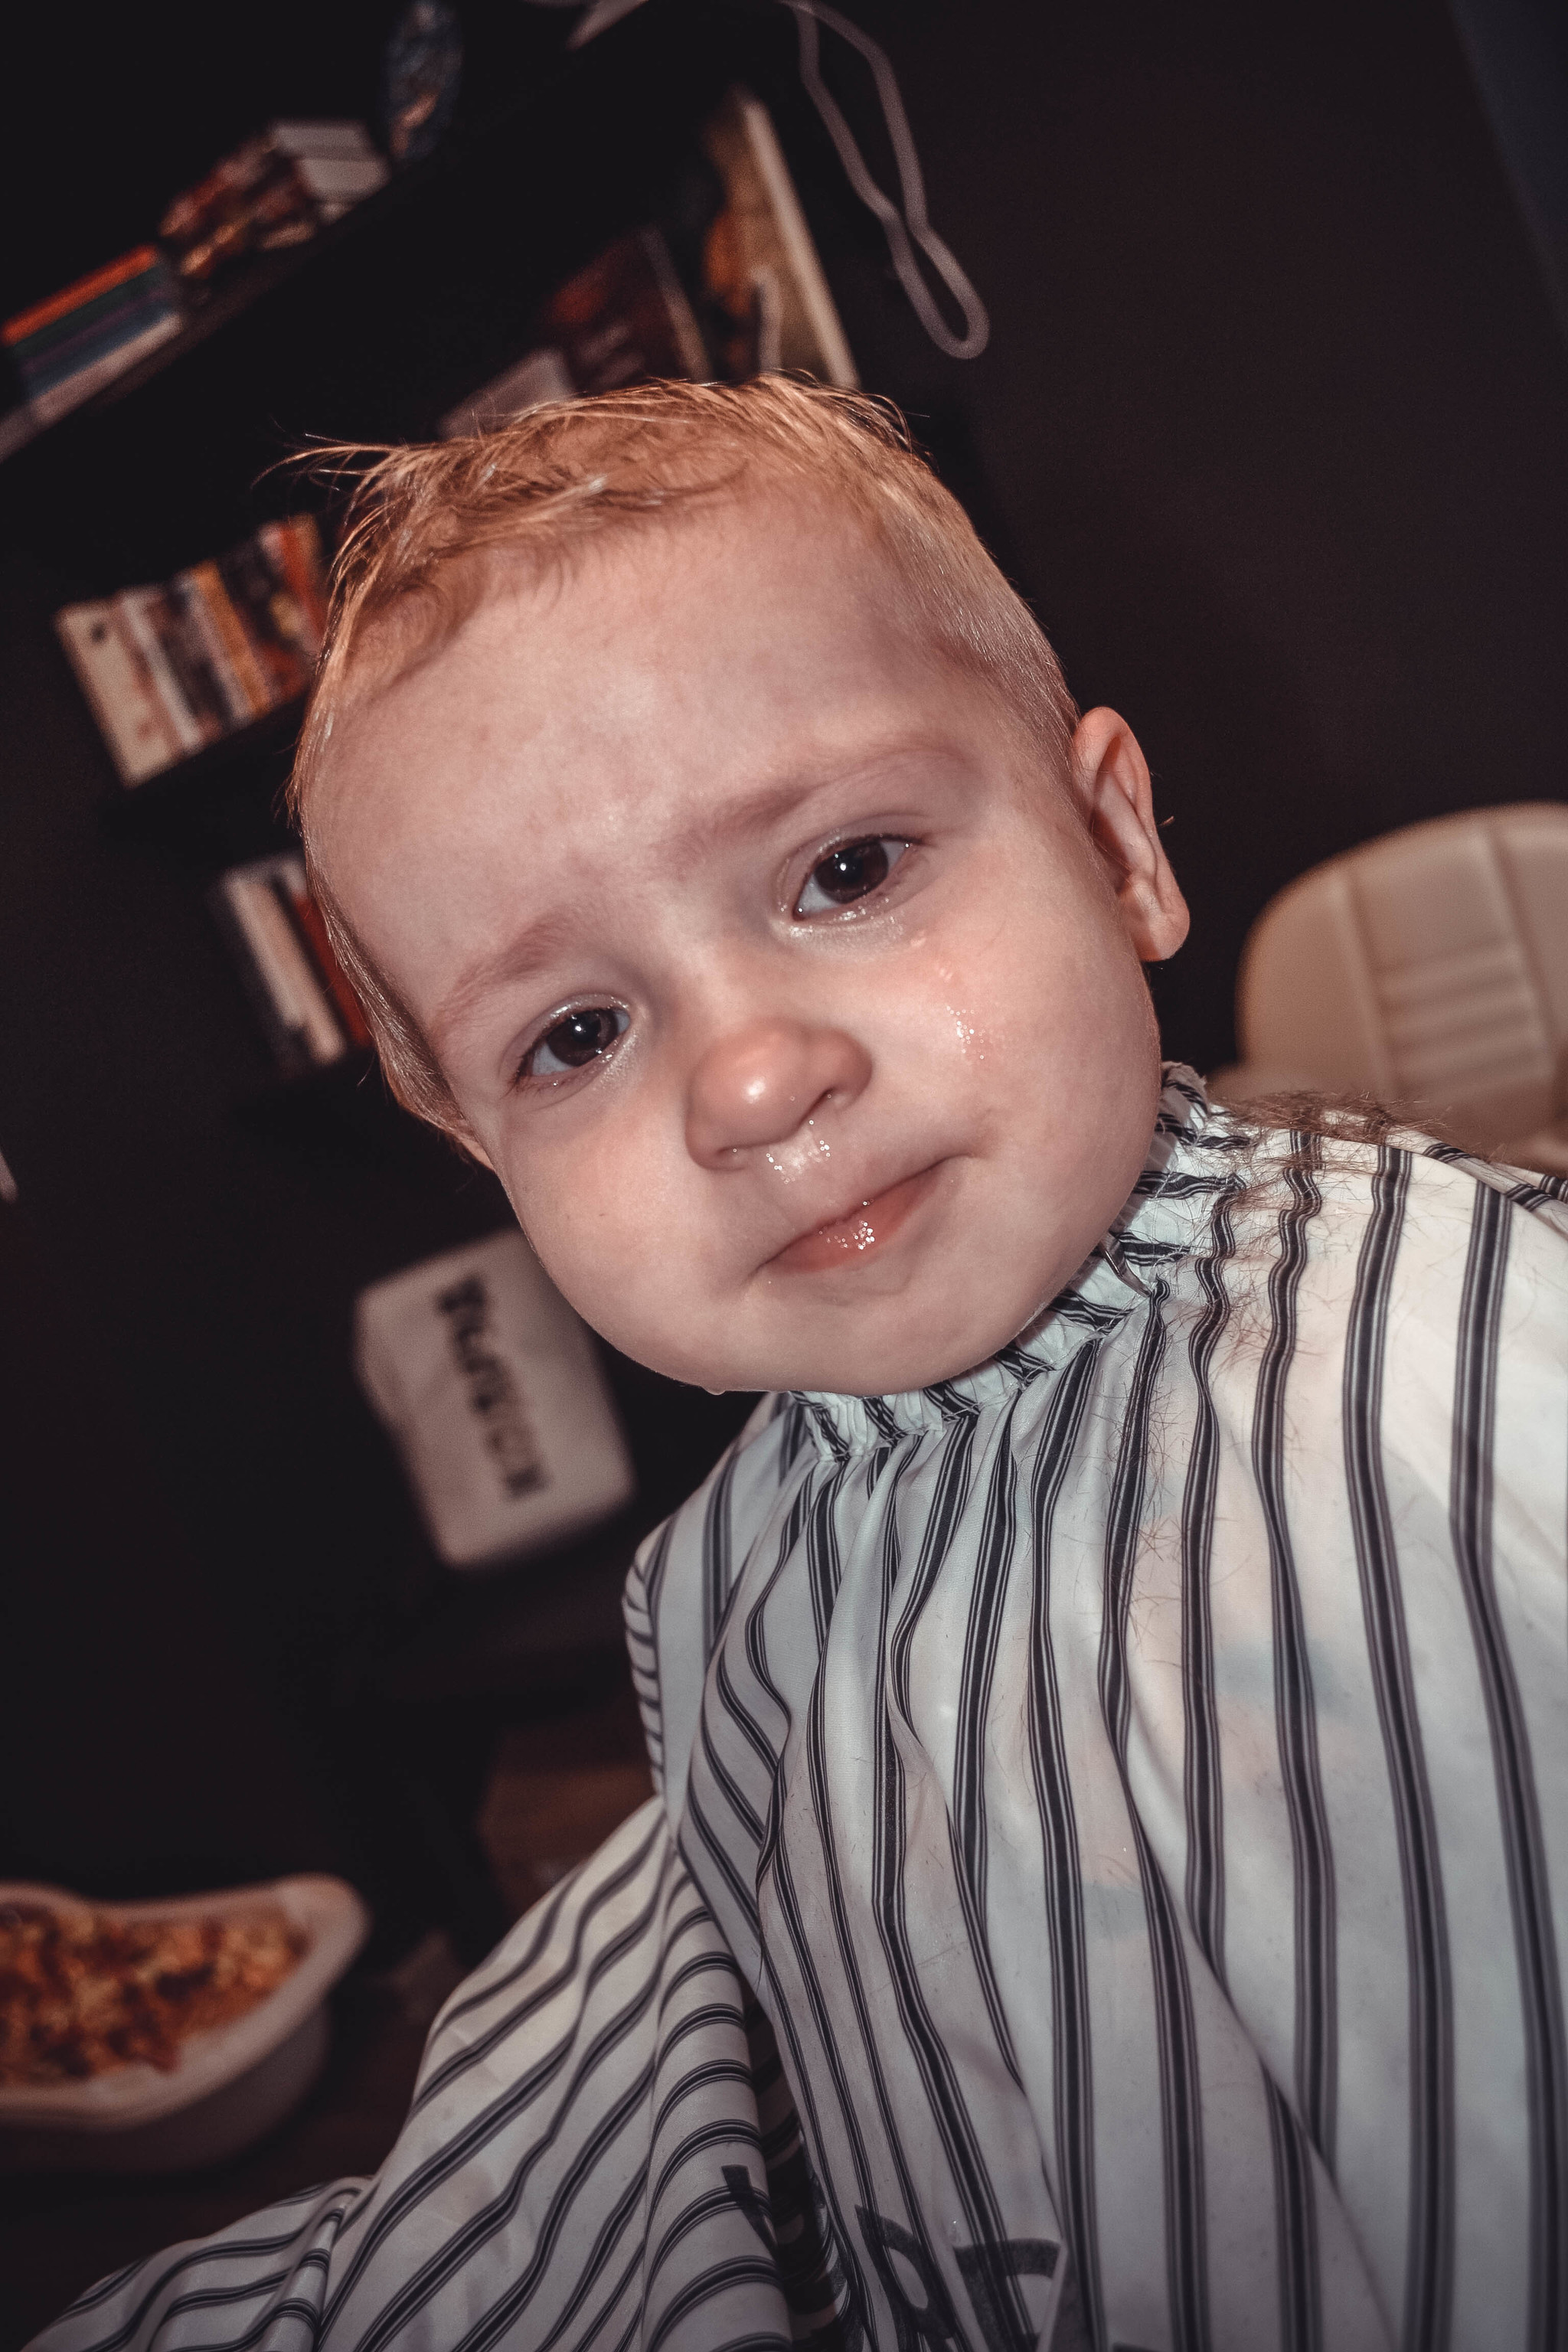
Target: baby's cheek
<point>593,1219</point>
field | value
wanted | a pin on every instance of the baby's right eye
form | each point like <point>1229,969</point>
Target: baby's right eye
<point>581,1038</point>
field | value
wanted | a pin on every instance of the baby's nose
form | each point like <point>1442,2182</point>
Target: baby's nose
<point>757,1085</point>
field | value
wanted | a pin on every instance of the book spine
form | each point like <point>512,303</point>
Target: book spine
<point>308,918</point>
<point>298,999</point>
<point>70,394</point>
<point>120,693</point>
<point>102,341</point>
<point>272,1000</point>
<point>247,667</point>
<point>190,592</point>
<point>136,264</point>
<point>152,293</point>
<point>797,240</point>
<point>294,550</point>
<point>134,610</point>
<point>186,647</point>
<point>268,617</point>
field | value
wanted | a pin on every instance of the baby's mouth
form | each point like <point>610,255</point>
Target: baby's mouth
<point>861,1231</point>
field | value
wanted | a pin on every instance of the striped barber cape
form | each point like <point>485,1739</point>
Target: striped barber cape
<point>1110,1880</point>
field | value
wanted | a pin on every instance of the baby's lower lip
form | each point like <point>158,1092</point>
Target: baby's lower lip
<point>866,1230</point>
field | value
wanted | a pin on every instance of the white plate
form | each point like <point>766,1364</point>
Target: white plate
<point>334,1923</point>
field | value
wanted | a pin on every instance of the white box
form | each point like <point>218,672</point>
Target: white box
<point>494,1392</point>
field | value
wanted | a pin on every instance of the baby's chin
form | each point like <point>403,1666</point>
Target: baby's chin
<point>846,1362</point>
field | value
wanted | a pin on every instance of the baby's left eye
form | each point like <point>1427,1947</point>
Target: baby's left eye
<point>850,872</point>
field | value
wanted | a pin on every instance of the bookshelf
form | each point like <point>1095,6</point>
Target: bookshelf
<point>212,1223</point>
<point>490,121</point>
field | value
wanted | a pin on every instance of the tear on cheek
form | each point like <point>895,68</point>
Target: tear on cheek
<point>971,1041</point>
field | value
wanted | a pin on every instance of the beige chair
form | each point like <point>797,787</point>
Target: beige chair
<point>1430,970</point>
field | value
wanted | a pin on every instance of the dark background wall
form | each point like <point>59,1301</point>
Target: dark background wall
<point>1272,430</point>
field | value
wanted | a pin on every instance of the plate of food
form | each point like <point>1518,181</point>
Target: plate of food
<point>149,2036</point>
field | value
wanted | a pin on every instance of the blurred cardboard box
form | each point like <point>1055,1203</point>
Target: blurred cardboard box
<point>492,1390</point>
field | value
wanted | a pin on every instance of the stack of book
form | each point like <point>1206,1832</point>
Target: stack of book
<point>274,929</point>
<point>67,348</point>
<point>273,192</point>
<point>170,670</point>
<point>761,301</point>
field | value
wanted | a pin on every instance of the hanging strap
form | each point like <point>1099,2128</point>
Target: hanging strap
<point>907,228</point>
<point>904,227</point>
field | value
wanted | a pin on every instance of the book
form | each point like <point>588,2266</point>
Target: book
<point>309,919</point>
<point>336,162</point>
<point>91,327</point>
<point>624,318</point>
<point>269,612</point>
<point>118,689</point>
<point>141,614</point>
<point>539,376</point>
<point>179,618</point>
<point>59,399</point>
<point>273,191</point>
<point>307,1010</point>
<point>245,682</point>
<point>26,325</point>
<point>69,347</point>
<point>251,201</point>
<point>493,1390</point>
<point>294,549</point>
<point>768,305</point>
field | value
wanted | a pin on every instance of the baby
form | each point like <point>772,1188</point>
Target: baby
<point>1108,1881</point>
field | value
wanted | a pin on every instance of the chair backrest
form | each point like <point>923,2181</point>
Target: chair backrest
<point>1428,967</point>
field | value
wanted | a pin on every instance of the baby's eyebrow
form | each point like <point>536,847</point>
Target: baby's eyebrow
<point>538,943</point>
<point>756,811</point>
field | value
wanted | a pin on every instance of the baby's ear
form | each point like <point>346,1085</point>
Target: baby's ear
<point>1111,784</point>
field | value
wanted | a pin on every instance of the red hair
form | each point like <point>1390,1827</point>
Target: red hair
<point>422,521</point>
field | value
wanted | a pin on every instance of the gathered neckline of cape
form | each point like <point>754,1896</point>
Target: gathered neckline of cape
<point>1163,1219</point>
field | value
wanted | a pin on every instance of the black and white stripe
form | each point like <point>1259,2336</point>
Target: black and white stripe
<point>1109,1881</point>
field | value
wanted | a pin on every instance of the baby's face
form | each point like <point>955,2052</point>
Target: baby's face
<point>799,1012</point>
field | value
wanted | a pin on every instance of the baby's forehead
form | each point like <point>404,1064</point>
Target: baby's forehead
<point>727,661</point>
<point>501,581</point>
